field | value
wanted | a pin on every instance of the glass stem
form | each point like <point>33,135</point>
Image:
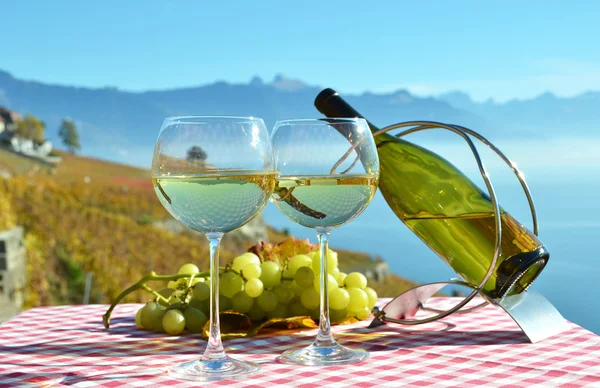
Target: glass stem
<point>324,337</point>
<point>214,349</point>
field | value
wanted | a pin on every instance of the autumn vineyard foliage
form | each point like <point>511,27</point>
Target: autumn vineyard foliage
<point>66,238</point>
<point>92,216</point>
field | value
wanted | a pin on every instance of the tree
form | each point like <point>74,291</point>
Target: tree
<point>31,128</point>
<point>196,153</point>
<point>69,136</point>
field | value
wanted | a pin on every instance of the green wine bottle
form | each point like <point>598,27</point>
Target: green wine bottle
<point>449,212</point>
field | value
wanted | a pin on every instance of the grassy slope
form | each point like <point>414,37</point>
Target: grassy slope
<point>76,167</point>
<point>15,164</point>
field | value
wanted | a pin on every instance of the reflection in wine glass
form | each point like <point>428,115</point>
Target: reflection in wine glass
<point>213,174</point>
<point>327,175</point>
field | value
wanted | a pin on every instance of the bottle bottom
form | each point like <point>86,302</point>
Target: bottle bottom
<point>518,272</point>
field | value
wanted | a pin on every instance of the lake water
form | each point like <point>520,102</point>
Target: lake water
<point>564,178</point>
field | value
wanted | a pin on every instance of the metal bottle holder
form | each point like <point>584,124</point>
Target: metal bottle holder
<point>534,314</point>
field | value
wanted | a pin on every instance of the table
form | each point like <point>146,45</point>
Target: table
<point>67,345</point>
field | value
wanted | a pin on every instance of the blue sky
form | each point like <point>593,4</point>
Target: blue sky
<point>503,50</point>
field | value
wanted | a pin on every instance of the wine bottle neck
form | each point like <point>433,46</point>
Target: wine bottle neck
<point>331,104</point>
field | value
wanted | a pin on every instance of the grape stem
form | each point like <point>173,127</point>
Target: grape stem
<point>191,280</point>
<point>153,292</point>
<point>141,284</point>
<point>187,289</point>
<point>236,272</point>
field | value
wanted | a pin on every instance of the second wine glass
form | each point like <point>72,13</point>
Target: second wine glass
<point>328,171</point>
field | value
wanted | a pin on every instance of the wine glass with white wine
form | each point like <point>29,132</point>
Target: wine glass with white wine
<point>327,174</point>
<point>213,174</point>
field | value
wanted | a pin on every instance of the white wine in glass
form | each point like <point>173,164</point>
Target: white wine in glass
<point>327,175</point>
<point>213,174</point>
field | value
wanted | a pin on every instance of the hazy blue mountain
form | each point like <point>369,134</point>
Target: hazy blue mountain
<point>115,123</point>
<point>287,98</point>
<point>546,114</point>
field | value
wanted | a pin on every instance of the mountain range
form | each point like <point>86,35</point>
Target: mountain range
<point>114,124</point>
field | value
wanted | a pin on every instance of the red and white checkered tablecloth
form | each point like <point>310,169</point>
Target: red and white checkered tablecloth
<point>67,345</point>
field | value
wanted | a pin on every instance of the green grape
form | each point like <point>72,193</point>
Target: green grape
<point>195,303</point>
<point>241,261</point>
<point>287,274</point>
<point>173,322</point>
<point>296,308</point>
<point>267,301</point>
<point>251,257</point>
<point>165,293</point>
<point>283,293</point>
<point>297,289</point>
<point>334,272</point>
<point>138,318</point>
<point>241,302</point>
<point>201,291</point>
<point>152,314</point>
<point>331,282</point>
<point>362,313</point>
<point>254,287</point>
<point>339,299</point>
<point>316,264</point>
<point>203,306</point>
<point>332,261</point>
<point>251,271</point>
<point>224,303</point>
<point>179,284</point>
<point>194,319</point>
<point>188,269</point>
<point>230,284</point>
<point>256,313</point>
<point>279,312</point>
<point>358,299</point>
<point>341,279</point>
<point>270,274</point>
<point>305,277</point>
<point>337,315</point>
<point>310,298</point>
<point>158,326</point>
<point>298,262</point>
<point>356,279</point>
<point>372,295</point>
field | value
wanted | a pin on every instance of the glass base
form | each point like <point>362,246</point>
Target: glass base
<point>213,370</point>
<point>334,354</point>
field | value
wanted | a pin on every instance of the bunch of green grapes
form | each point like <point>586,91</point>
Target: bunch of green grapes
<point>261,291</point>
<point>349,295</point>
<point>182,305</point>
